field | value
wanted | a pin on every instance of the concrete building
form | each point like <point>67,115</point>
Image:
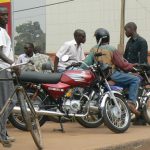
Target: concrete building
<point>62,19</point>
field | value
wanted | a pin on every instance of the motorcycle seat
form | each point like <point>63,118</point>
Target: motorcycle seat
<point>39,77</point>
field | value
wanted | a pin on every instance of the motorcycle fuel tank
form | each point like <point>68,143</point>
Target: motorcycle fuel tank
<point>77,77</point>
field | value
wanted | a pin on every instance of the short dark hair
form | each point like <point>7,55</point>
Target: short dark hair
<point>31,44</point>
<point>78,32</point>
<point>131,25</point>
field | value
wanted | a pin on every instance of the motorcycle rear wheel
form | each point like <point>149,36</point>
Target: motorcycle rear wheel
<point>92,120</point>
<point>17,120</point>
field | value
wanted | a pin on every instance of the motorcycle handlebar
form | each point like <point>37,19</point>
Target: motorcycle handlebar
<point>74,65</point>
<point>17,65</point>
<point>141,67</point>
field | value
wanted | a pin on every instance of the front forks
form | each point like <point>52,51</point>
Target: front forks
<point>112,96</point>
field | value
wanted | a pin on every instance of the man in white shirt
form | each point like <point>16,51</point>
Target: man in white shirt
<point>26,56</point>
<point>37,58</point>
<point>6,87</point>
<point>28,53</point>
<point>73,49</point>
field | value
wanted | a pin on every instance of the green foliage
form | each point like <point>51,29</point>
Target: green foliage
<point>29,32</point>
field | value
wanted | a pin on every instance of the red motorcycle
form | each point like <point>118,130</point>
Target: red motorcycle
<point>77,93</point>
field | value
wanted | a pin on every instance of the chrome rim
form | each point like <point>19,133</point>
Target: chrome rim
<point>117,119</point>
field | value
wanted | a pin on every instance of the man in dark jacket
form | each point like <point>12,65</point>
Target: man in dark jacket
<point>136,49</point>
<point>136,52</point>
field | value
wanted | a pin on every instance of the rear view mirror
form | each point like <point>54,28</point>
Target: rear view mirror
<point>65,58</point>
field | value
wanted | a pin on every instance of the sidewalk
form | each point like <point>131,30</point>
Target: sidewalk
<point>78,138</point>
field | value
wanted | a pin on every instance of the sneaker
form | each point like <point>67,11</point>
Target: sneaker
<point>133,109</point>
<point>5,143</point>
<point>11,139</point>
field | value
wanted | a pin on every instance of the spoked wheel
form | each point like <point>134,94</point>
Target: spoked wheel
<point>34,125</point>
<point>146,109</point>
<point>115,121</point>
<point>92,120</point>
<point>30,117</point>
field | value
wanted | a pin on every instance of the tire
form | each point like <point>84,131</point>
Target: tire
<point>25,114</point>
<point>91,120</point>
<point>111,118</point>
<point>33,123</point>
<point>94,119</point>
<point>146,112</point>
<point>16,119</point>
<point>146,107</point>
<point>36,132</point>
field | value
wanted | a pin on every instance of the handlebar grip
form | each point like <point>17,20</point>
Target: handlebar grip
<point>74,65</point>
<point>68,67</point>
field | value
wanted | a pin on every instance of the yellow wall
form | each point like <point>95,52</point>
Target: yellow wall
<point>4,1</point>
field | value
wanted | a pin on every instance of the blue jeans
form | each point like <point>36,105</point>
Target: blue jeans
<point>127,80</point>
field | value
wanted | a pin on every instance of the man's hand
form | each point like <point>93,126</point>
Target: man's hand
<point>16,70</point>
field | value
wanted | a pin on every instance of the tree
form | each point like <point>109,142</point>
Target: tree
<point>29,32</point>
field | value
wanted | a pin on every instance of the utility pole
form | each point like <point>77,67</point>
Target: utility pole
<point>122,23</point>
<point>12,24</point>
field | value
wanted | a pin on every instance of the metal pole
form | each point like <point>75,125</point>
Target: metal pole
<point>122,23</point>
<point>12,24</point>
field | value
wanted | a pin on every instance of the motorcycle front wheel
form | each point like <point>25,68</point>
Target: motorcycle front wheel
<point>115,121</point>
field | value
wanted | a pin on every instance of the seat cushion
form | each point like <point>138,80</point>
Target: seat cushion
<point>39,77</point>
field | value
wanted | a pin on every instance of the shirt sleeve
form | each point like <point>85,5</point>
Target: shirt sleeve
<point>2,38</point>
<point>120,62</point>
<point>19,60</point>
<point>143,53</point>
<point>89,60</point>
<point>63,50</point>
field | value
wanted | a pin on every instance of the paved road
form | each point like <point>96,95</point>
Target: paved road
<point>78,138</point>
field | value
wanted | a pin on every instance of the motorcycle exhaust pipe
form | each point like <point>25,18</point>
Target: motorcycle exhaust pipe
<point>17,109</point>
<point>48,113</point>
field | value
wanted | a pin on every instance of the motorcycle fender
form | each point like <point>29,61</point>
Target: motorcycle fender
<point>105,96</point>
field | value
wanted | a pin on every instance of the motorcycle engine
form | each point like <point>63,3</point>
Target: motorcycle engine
<point>71,106</point>
<point>71,102</point>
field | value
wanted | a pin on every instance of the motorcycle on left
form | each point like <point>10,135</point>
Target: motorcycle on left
<point>77,93</point>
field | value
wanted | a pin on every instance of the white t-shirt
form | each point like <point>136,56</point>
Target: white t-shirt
<point>75,54</point>
<point>5,42</point>
<point>23,58</point>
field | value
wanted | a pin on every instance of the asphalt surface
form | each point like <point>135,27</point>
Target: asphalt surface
<point>77,137</point>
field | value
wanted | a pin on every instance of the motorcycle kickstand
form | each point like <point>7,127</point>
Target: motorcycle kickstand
<point>61,126</point>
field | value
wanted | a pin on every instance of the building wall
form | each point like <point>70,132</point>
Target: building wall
<point>63,19</point>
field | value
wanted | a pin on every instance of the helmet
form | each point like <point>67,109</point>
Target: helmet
<point>103,34</point>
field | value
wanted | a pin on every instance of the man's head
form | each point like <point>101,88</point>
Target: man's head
<point>79,36</point>
<point>29,49</point>
<point>3,16</point>
<point>103,35</point>
<point>130,29</point>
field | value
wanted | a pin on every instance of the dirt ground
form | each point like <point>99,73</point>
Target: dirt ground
<point>77,137</point>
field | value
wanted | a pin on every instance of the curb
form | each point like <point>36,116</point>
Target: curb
<point>135,145</point>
